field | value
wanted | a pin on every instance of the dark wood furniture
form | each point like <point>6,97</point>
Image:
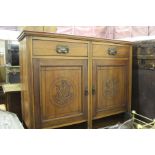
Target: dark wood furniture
<point>143,98</point>
<point>70,79</point>
<point>13,103</point>
<point>12,95</point>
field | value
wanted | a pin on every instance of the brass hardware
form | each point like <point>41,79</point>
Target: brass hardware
<point>12,70</point>
<point>61,49</point>
<point>145,64</point>
<point>86,92</point>
<point>112,51</point>
<point>153,67</point>
<point>149,66</point>
<point>93,90</point>
<point>142,122</point>
<point>145,57</point>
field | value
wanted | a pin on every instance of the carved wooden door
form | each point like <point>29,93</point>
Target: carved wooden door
<point>60,95</point>
<point>110,86</point>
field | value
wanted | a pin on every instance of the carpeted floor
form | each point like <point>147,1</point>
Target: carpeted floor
<point>9,120</point>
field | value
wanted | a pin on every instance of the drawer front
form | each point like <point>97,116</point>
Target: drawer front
<point>106,50</point>
<point>59,48</point>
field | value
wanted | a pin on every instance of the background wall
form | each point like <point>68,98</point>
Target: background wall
<point>108,32</point>
<point>2,52</point>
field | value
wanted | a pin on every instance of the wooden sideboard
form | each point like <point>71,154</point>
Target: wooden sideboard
<point>70,79</point>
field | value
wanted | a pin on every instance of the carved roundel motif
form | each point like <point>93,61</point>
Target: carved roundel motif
<point>110,87</point>
<point>62,91</point>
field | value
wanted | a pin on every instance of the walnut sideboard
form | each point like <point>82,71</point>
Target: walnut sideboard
<point>69,79</point>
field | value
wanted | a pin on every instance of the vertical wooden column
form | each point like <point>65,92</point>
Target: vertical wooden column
<point>130,79</point>
<point>90,86</point>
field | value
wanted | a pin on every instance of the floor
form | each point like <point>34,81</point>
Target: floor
<point>101,123</point>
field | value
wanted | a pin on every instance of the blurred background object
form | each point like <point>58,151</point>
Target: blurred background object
<point>129,33</point>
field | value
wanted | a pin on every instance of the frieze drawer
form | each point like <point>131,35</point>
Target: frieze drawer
<point>59,48</point>
<point>106,50</point>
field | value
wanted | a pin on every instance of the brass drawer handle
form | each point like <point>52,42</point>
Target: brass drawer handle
<point>61,49</point>
<point>112,51</point>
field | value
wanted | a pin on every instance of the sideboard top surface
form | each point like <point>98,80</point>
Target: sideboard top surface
<point>55,35</point>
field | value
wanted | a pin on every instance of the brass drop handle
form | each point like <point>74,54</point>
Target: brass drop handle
<point>112,51</point>
<point>61,49</point>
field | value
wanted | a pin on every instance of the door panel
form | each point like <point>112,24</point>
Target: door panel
<point>110,82</point>
<point>61,90</point>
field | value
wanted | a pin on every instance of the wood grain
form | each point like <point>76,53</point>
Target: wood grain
<point>54,85</point>
<point>46,47</point>
<point>110,81</point>
<point>61,91</point>
<point>102,50</point>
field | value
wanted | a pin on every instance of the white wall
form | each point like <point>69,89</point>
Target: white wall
<point>9,35</point>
